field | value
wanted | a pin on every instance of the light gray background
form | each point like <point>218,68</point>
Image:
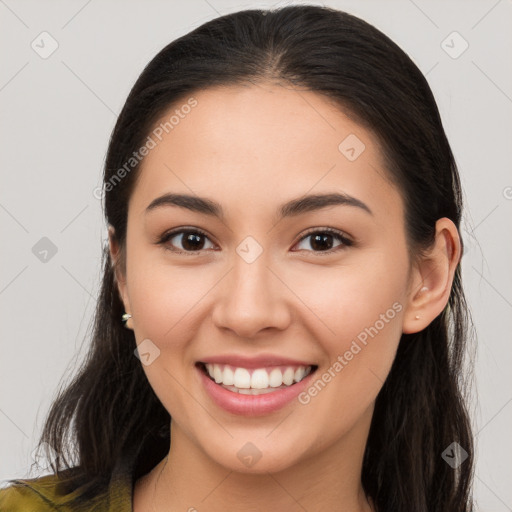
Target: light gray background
<point>57,115</point>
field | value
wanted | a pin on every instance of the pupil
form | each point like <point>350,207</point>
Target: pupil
<point>321,240</point>
<point>193,240</point>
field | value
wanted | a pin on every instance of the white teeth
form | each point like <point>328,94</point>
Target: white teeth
<point>261,380</point>
<point>228,377</point>
<point>275,378</point>
<point>217,373</point>
<point>251,391</point>
<point>242,378</point>
<point>288,376</point>
<point>299,374</point>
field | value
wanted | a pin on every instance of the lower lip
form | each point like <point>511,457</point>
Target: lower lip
<point>252,405</point>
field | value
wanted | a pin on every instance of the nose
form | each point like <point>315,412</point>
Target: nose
<point>251,298</point>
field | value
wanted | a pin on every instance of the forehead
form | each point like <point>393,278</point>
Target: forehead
<point>254,146</point>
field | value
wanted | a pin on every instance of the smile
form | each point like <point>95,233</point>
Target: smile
<point>253,391</point>
<point>256,381</point>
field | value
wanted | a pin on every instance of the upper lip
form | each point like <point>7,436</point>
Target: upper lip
<point>260,361</point>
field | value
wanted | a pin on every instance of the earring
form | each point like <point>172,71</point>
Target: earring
<point>417,317</point>
<point>125,318</point>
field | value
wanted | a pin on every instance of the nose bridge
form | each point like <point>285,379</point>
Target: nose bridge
<point>252,298</point>
<point>251,277</point>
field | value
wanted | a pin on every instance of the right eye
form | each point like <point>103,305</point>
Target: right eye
<point>192,241</point>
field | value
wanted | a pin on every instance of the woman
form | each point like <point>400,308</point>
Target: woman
<point>283,210</point>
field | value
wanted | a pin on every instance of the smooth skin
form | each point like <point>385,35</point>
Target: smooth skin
<point>252,148</point>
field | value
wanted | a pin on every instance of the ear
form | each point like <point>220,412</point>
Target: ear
<point>120,277</point>
<point>432,277</point>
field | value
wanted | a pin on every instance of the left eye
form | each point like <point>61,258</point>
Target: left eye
<point>322,240</point>
<point>193,240</point>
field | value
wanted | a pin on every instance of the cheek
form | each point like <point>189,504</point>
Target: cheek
<point>358,324</point>
<point>347,299</point>
<point>164,296</point>
<point>165,300</point>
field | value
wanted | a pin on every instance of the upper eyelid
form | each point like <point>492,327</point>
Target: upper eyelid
<point>335,232</point>
<point>326,229</point>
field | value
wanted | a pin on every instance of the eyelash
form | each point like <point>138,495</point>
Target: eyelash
<point>345,242</point>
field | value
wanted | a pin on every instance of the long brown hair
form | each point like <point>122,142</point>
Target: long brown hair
<point>421,410</point>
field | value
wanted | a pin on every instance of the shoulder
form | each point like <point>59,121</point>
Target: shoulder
<point>48,493</point>
<point>36,494</point>
<point>71,490</point>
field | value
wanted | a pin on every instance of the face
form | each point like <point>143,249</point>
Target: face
<point>320,286</point>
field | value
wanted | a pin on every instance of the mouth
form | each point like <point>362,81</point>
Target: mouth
<point>255,381</point>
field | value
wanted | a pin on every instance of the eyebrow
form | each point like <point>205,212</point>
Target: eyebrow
<point>294,207</point>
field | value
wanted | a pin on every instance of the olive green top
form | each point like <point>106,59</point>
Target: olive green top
<point>48,493</point>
